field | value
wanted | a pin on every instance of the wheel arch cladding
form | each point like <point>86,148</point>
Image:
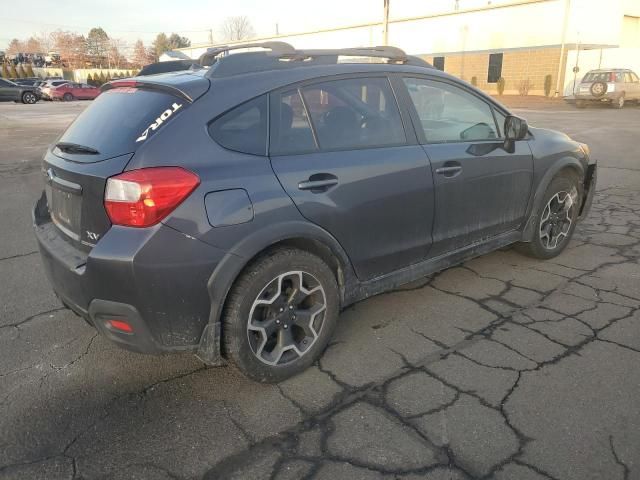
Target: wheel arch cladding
<point>234,264</point>
<point>567,165</point>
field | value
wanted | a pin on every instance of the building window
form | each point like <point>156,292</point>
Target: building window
<point>495,67</point>
<point>438,62</point>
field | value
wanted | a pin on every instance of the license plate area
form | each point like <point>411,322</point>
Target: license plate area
<point>65,210</point>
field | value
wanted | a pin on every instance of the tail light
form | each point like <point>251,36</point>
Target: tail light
<point>141,198</point>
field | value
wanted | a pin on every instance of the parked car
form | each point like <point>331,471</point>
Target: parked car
<point>233,211</point>
<point>73,91</point>
<point>45,90</point>
<point>29,82</point>
<point>616,86</point>
<point>12,92</point>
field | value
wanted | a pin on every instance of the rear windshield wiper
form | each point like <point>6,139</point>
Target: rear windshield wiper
<point>74,148</point>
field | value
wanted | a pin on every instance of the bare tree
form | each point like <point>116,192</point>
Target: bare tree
<point>237,28</point>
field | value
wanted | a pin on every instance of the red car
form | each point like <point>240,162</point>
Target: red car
<point>74,91</point>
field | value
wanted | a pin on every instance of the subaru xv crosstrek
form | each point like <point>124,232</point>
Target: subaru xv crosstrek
<point>233,210</point>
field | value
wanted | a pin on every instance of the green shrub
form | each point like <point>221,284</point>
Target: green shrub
<point>89,79</point>
<point>500,85</point>
<point>29,71</point>
<point>21,72</point>
<point>12,71</point>
<point>108,79</point>
<point>102,80</point>
<point>547,85</point>
<point>474,81</point>
<point>5,71</point>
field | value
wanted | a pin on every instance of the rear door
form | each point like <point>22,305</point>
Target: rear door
<point>480,189</point>
<point>342,153</point>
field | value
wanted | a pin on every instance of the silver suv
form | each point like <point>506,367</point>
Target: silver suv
<point>616,86</point>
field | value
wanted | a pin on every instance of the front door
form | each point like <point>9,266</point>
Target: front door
<point>480,189</point>
<point>340,150</point>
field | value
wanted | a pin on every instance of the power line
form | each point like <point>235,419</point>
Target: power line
<point>35,22</point>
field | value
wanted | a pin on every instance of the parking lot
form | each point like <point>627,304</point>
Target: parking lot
<point>504,367</point>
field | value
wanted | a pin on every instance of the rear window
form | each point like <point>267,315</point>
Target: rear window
<point>120,120</point>
<point>603,77</point>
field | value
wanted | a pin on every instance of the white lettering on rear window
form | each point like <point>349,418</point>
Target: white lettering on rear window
<point>164,116</point>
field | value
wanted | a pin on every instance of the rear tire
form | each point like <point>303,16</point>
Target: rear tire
<point>29,98</point>
<point>280,315</point>
<point>556,218</point>
<point>67,97</point>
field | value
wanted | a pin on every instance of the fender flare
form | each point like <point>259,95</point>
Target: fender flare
<point>564,163</point>
<point>233,263</point>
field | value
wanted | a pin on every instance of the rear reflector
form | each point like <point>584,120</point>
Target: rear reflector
<point>141,198</point>
<point>120,325</point>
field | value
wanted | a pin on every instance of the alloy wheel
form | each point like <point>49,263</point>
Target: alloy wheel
<point>286,318</point>
<point>557,218</point>
<point>29,98</point>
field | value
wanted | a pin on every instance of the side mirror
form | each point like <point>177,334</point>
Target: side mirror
<point>515,128</point>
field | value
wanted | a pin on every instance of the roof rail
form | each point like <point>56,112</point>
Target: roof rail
<point>280,55</point>
<point>278,49</point>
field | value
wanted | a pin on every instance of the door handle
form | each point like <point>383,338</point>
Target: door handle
<point>449,171</point>
<point>319,182</point>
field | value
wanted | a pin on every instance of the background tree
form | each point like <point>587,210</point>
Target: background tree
<point>33,45</point>
<point>71,47</point>
<point>161,44</point>
<point>237,28</point>
<point>142,55</point>
<point>15,46</point>
<point>176,41</point>
<point>97,45</point>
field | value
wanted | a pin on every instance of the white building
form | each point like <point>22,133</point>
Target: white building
<point>522,41</point>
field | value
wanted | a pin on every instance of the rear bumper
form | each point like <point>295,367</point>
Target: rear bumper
<point>154,279</point>
<point>587,97</point>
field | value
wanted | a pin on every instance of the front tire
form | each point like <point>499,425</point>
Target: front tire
<point>280,315</point>
<point>618,102</point>
<point>556,219</point>
<point>67,97</point>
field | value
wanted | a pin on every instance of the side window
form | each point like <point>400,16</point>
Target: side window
<point>634,77</point>
<point>291,131</point>
<point>243,129</point>
<point>449,114</point>
<point>3,83</point>
<point>354,113</point>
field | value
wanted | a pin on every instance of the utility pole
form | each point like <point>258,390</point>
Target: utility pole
<point>567,10</point>
<point>211,36</point>
<point>385,24</point>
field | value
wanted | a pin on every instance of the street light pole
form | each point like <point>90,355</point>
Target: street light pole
<point>385,24</point>
<point>562,44</point>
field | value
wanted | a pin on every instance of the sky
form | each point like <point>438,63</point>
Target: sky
<point>130,20</point>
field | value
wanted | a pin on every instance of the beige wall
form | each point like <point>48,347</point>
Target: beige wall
<point>517,67</point>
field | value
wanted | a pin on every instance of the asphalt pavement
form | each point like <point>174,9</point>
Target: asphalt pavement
<point>504,367</point>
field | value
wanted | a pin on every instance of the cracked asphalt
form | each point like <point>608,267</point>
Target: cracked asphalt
<point>504,367</point>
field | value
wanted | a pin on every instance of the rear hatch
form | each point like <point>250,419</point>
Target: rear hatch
<point>100,143</point>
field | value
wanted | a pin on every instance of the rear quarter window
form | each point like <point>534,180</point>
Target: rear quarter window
<point>244,128</point>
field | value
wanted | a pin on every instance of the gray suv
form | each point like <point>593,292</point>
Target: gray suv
<point>615,86</point>
<point>234,209</point>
